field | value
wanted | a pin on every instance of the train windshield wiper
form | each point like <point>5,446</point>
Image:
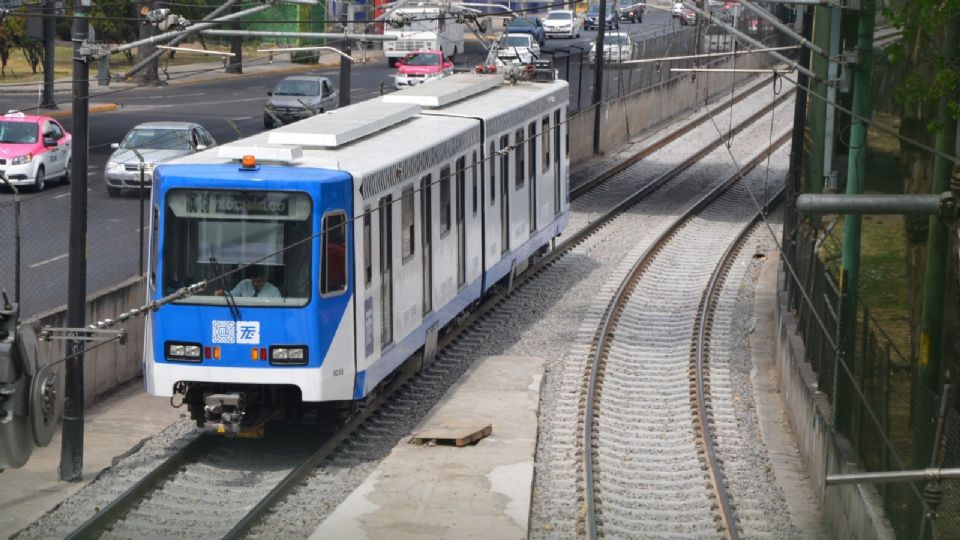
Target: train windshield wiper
<point>228,297</point>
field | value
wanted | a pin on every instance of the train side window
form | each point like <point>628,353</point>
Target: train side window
<point>492,165</point>
<point>504,161</point>
<point>545,131</point>
<point>406,224</point>
<point>520,174</point>
<point>532,142</point>
<point>333,278</point>
<point>566,128</point>
<point>367,249</point>
<point>474,168</point>
<point>444,200</point>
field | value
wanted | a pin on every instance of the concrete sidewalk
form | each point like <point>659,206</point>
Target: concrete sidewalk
<point>25,96</point>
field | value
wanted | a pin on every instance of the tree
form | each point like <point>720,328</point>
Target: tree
<point>926,79</point>
<point>111,20</point>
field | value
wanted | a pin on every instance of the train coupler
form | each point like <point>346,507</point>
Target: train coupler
<point>223,413</point>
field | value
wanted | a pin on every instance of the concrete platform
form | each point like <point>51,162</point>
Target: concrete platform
<point>111,429</point>
<point>481,490</point>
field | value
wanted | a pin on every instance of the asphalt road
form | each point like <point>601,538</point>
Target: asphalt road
<point>229,109</point>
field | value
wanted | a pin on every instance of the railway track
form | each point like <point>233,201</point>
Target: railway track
<point>386,418</point>
<point>633,430</point>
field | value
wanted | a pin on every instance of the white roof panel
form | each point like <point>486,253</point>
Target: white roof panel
<point>447,90</point>
<point>263,152</point>
<point>341,126</point>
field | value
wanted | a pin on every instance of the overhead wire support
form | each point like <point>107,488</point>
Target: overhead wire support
<point>715,20</point>
<point>772,19</point>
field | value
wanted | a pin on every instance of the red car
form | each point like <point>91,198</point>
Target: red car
<point>422,66</point>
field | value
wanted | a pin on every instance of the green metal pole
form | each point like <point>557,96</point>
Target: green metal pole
<point>931,329</point>
<point>816,121</point>
<point>850,258</point>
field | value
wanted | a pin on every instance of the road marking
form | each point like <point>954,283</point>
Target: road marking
<point>240,118</point>
<point>62,195</point>
<point>48,261</point>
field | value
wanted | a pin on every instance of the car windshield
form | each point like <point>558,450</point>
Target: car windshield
<point>423,59</point>
<point>157,139</point>
<point>18,132</point>
<point>595,10</point>
<point>520,23</point>
<point>518,41</point>
<point>212,232</point>
<point>559,16</point>
<point>294,87</point>
<point>615,39</point>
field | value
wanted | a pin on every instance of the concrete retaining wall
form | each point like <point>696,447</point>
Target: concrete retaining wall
<point>653,107</point>
<point>849,511</point>
<point>108,366</point>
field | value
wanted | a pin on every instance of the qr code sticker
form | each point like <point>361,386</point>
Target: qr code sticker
<point>224,332</point>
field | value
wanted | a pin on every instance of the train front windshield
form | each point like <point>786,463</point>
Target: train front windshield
<point>211,232</point>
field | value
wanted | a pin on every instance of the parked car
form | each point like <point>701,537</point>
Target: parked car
<point>591,22</point>
<point>33,149</point>
<point>632,12</point>
<point>157,142</point>
<point>617,47</point>
<point>562,23</point>
<point>518,49</point>
<point>528,25</point>
<point>298,97</point>
<point>677,9</point>
<point>422,66</point>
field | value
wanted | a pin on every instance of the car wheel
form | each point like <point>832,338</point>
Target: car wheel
<point>392,62</point>
<point>67,171</point>
<point>113,191</point>
<point>268,122</point>
<point>41,180</point>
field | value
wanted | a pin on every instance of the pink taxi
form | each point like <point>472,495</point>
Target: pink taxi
<point>422,66</point>
<point>33,149</point>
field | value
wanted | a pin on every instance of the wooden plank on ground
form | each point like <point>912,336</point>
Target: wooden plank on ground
<point>448,435</point>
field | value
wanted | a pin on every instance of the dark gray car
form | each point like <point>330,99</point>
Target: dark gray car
<point>298,97</point>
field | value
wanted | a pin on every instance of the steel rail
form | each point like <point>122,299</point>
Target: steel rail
<point>686,128</point>
<point>119,507</point>
<point>614,308</point>
<point>701,361</point>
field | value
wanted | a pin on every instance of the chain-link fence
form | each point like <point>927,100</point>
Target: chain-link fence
<point>889,419</point>
<point>112,245</point>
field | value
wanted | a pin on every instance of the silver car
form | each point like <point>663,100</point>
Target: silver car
<point>298,97</point>
<point>156,142</point>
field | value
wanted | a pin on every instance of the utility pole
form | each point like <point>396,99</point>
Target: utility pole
<point>235,63</point>
<point>794,182</point>
<point>149,76</point>
<point>931,328</point>
<point>49,54</point>
<point>818,109</point>
<point>345,65</point>
<point>598,75</point>
<point>71,448</point>
<point>850,257</point>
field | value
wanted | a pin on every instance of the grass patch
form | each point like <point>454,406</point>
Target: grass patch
<point>18,69</point>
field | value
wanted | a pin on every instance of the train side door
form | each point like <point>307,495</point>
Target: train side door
<point>461,195</point>
<point>386,271</point>
<point>426,239</point>
<point>504,194</point>
<point>557,181</point>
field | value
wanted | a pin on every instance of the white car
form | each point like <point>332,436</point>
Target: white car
<point>33,149</point>
<point>157,142</point>
<point>518,49</point>
<point>562,23</point>
<point>617,47</point>
<point>677,9</point>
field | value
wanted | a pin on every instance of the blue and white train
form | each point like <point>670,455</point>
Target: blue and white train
<point>376,224</point>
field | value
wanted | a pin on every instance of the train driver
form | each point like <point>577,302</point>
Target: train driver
<point>254,286</point>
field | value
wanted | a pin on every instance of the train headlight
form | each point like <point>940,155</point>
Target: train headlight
<point>288,355</point>
<point>183,352</point>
